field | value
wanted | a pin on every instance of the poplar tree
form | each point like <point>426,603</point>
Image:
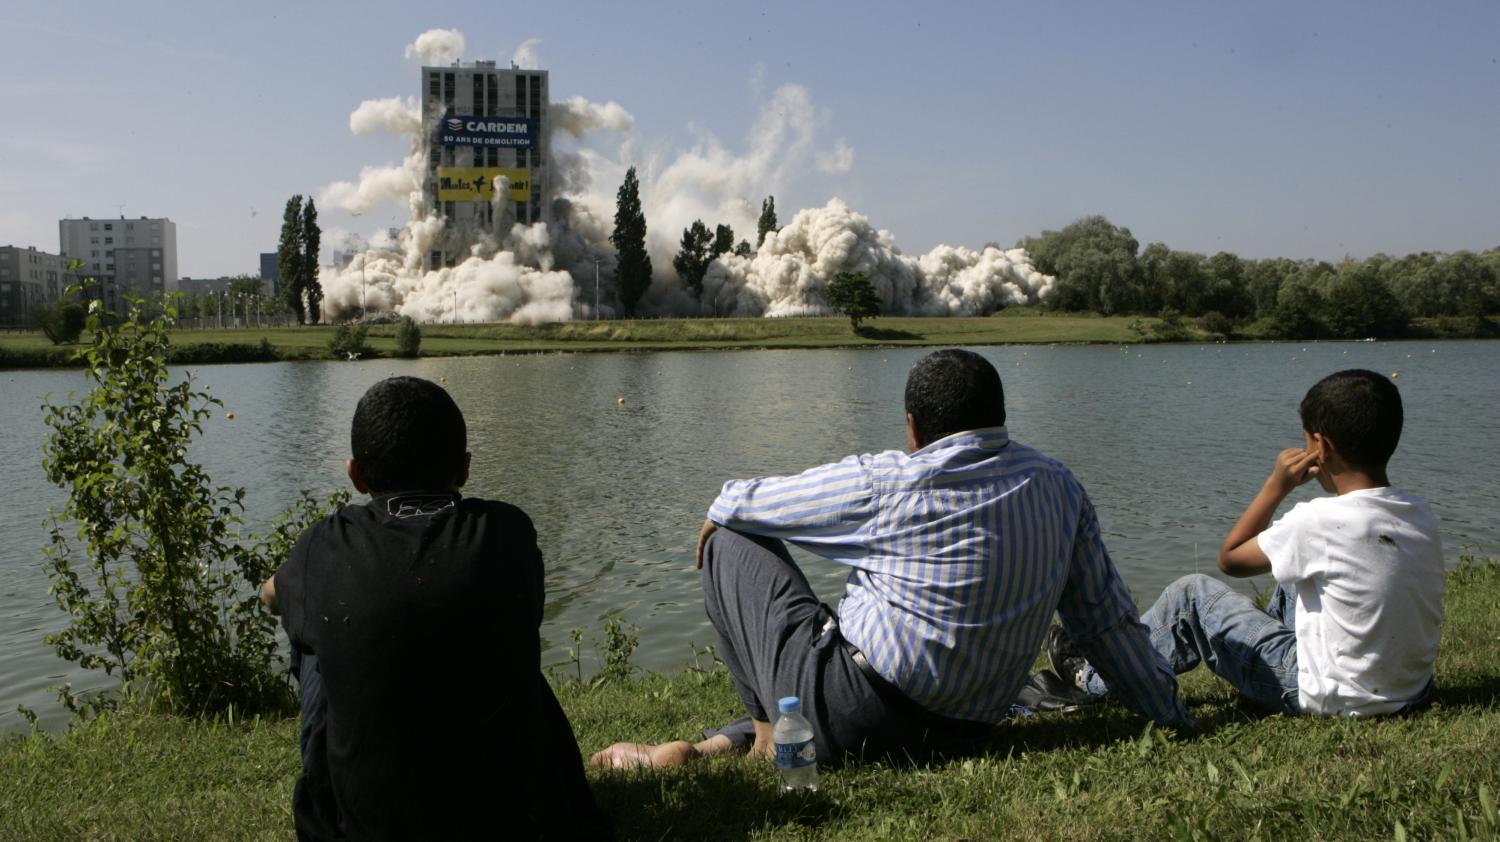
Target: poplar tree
<point>289,257</point>
<point>633,264</point>
<point>311,244</point>
<point>767,221</point>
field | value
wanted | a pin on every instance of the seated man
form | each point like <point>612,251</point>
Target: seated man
<point>959,553</point>
<point>1352,627</point>
<point>413,621</point>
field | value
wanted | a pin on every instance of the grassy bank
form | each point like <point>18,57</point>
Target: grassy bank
<point>19,350</point>
<point>1091,775</point>
<point>1015,326</point>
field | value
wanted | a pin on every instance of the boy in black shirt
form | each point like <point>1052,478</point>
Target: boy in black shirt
<point>413,621</point>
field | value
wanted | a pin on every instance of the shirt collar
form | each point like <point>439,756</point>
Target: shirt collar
<point>984,438</point>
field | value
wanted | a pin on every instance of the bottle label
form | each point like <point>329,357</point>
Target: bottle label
<point>796,755</point>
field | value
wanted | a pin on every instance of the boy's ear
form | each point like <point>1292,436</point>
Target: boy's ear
<point>352,467</point>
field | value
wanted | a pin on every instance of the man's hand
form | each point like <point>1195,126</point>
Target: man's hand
<point>709,528</point>
<point>1294,466</point>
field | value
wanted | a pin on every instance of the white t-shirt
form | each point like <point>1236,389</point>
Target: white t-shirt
<point>1368,570</point>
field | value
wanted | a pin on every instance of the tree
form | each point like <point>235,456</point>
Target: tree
<point>852,294</point>
<point>767,221</point>
<point>1095,265</point>
<point>693,258</point>
<point>723,240</point>
<point>408,337</point>
<point>633,264</point>
<point>311,245</point>
<point>743,249</point>
<point>164,595</point>
<point>1359,304</point>
<point>289,258</point>
<point>61,321</point>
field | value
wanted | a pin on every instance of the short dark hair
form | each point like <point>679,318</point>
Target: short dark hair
<point>408,435</point>
<point>1360,411</point>
<point>951,391</point>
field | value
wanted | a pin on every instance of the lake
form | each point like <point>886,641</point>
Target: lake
<point>1170,441</point>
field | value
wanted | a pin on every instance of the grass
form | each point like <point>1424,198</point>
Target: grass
<point>1092,775</point>
<point>1014,326</point>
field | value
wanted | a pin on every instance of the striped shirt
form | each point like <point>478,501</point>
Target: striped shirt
<point>960,553</point>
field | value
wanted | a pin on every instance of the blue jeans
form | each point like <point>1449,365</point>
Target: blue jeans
<point>1200,619</point>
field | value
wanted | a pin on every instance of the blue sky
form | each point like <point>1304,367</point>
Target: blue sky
<point>1292,129</point>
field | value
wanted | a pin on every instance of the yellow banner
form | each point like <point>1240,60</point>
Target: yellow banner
<point>477,184</point>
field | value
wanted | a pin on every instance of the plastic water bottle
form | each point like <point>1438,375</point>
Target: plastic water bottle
<point>796,755</point>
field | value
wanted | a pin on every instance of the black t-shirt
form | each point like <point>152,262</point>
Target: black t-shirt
<point>422,610</point>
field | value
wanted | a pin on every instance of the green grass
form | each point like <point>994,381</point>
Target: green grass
<point>1015,326</point>
<point>1092,775</point>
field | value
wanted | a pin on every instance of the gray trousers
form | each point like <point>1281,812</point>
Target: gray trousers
<point>778,640</point>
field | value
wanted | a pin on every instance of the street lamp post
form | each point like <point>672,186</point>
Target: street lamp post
<point>596,289</point>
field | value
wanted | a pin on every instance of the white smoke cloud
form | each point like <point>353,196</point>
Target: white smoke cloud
<point>547,272</point>
<point>437,46</point>
<point>525,57</point>
<point>391,115</point>
<point>788,275</point>
<point>577,116</point>
<point>376,186</point>
<point>839,160</point>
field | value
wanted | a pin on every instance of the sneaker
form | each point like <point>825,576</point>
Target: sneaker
<point>1048,693</point>
<point>1066,660</point>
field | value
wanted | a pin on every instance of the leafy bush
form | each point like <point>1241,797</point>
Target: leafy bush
<point>61,321</point>
<point>1216,323</point>
<point>349,341</point>
<point>146,555</point>
<point>408,337</point>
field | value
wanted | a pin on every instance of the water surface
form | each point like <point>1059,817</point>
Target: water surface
<point>1170,441</point>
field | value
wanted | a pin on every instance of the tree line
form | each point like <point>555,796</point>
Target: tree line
<point>1100,268</point>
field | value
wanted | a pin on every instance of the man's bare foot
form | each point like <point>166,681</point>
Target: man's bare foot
<point>639,755</point>
<point>645,755</point>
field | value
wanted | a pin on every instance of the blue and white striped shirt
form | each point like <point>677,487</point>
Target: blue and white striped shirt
<point>961,552</point>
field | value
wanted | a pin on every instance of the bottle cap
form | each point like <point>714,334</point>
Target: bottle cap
<point>789,704</point>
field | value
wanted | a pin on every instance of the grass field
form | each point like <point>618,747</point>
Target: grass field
<point>1098,774</point>
<point>19,350</point>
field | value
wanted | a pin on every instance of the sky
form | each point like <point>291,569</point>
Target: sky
<point>1264,129</point>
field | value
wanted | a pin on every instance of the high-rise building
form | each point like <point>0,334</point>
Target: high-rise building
<point>483,125</point>
<point>125,257</point>
<point>27,278</point>
<point>270,271</point>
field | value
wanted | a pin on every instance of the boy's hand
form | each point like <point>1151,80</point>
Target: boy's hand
<point>1294,466</point>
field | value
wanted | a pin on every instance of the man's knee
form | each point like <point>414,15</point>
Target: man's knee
<point>740,548</point>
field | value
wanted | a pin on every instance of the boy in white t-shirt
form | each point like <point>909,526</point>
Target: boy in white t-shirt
<point>1352,627</point>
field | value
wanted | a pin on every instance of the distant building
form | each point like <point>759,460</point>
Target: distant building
<point>135,257</point>
<point>483,124</point>
<point>27,278</point>
<point>270,271</point>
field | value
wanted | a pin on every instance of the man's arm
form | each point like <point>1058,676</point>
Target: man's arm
<point>1241,555</point>
<point>819,509</point>
<point>268,595</point>
<point>1099,615</point>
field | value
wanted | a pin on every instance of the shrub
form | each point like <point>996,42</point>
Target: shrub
<point>61,321</point>
<point>164,594</point>
<point>349,341</point>
<point>408,337</point>
<point>1216,323</point>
